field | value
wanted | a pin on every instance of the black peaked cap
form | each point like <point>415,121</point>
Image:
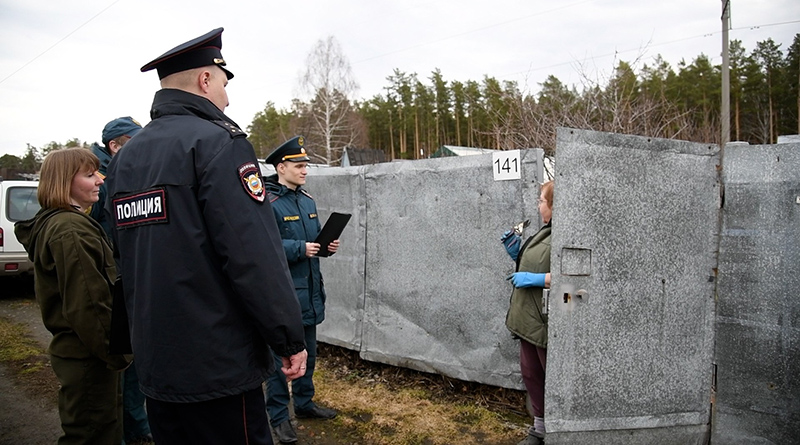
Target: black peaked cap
<point>201,51</point>
<point>292,150</point>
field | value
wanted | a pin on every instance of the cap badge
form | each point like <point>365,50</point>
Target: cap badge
<point>218,61</point>
<point>301,141</point>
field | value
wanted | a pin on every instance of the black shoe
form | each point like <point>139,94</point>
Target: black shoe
<point>284,432</point>
<point>530,439</point>
<point>316,412</point>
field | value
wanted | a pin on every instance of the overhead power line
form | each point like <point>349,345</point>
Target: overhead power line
<point>59,41</point>
<point>617,52</point>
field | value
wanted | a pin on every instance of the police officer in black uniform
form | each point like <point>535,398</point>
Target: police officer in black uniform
<point>206,284</point>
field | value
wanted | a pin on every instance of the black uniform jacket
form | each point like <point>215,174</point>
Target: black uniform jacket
<point>205,277</point>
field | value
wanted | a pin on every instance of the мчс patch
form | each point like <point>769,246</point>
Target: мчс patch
<point>140,208</point>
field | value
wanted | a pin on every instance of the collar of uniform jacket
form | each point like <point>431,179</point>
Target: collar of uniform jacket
<point>278,189</point>
<point>170,101</point>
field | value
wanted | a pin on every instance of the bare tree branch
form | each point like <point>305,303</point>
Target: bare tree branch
<point>328,80</point>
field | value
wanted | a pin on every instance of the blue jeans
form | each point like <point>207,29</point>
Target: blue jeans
<point>302,388</point>
<point>134,417</point>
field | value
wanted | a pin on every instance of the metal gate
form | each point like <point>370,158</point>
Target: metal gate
<point>631,330</point>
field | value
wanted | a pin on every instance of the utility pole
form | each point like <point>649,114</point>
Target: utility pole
<point>725,113</point>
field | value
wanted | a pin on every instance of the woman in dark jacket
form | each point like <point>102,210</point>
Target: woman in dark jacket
<point>73,273</point>
<point>526,318</point>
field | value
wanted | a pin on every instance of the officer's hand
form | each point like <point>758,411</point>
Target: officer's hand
<point>333,246</point>
<point>312,249</point>
<point>295,366</point>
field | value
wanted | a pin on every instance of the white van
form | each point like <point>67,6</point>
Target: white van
<point>18,202</point>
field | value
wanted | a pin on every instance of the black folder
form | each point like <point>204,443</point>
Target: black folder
<point>331,231</point>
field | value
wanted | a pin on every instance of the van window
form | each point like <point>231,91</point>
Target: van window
<point>22,203</point>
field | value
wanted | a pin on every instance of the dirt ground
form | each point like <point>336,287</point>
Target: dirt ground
<point>28,411</point>
<point>475,413</point>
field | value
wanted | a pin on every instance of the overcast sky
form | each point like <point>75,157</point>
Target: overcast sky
<point>67,68</point>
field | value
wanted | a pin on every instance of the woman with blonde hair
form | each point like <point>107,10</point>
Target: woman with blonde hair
<point>73,276</point>
<point>527,314</point>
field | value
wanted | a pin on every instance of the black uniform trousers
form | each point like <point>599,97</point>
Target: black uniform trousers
<point>232,420</point>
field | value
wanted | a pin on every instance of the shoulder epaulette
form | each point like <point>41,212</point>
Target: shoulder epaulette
<point>306,193</point>
<point>232,129</point>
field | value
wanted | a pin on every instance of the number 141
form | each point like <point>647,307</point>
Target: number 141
<point>506,165</point>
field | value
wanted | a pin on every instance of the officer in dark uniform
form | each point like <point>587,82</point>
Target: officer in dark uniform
<point>115,135</point>
<point>296,215</point>
<point>206,285</point>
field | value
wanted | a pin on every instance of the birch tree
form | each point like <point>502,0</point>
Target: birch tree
<point>328,82</point>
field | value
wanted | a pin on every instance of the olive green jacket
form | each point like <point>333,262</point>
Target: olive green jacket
<point>73,275</point>
<point>525,318</point>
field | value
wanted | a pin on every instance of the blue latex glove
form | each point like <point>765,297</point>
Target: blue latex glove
<point>527,279</point>
<point>512,243</point>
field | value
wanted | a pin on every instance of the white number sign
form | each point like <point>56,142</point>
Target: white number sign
<point>506,165</point>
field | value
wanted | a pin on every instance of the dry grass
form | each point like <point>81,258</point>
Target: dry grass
<point>27,361</point>
<point>378,404</point>
<point>14,343</point>
<point>382,404</point>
